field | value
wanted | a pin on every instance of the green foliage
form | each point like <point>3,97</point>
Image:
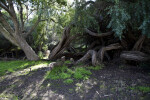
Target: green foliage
<point>67,62</point>
<point>62,72</point>
<point>98,67</point>
<point>144,14</point>
<point>12,66</point>
<point>135,15</point>
<point>8,97</point>
<point>58,73</point>
<point>141,88</point>
<point>84,16</point>
<point>40,54</point>
<point>68,81</point>
<point>119,19</point>
<point>40,36</point>
<point>81,73</point>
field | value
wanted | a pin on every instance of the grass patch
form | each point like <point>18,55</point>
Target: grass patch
<point>68,81</point>
<point>68,74</point>
<point>8,97</point>
<point>58,73</point>
<point>12,66</point>
<point>67,62</point>
<point>81,73</point>
<point>141,88</point>
<point>98,67</point>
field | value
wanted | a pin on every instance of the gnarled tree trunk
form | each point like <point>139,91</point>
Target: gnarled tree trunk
<point>63,44</point>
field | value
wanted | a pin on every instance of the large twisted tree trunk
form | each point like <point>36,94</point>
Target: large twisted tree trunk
<point>63,44</point>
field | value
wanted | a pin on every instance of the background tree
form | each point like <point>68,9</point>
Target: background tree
<point>17,33</point>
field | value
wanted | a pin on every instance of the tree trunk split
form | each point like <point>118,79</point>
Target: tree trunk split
<point>90,54</point>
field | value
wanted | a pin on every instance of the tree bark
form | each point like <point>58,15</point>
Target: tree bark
<point>8,36</point>
<point>61,43</point>
<point>29,52</point>
<point>102,51</point>
<point>90,54</point>
<point>134,56</point>
<point>139,43</point>
<point>97,34</point>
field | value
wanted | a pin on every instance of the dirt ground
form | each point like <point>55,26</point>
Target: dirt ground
<point>113,82</point>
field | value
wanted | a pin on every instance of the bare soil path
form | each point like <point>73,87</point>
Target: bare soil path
<point>113,82</point>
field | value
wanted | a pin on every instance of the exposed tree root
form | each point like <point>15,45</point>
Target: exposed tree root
<point>90,54</point>
<point>102,51</point>
<point>139,43</point>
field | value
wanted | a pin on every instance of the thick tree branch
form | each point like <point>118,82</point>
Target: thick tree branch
<point>8,36</point>
<point>21,17</point>
<point>3,6</point>
<point>96,34</point>
<point>33,27</point>
<point>13,17</point>
<point>6,24</point>
<point>102,51</point>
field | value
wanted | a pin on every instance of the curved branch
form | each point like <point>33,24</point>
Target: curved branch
<point>8,36</point>
<point>6,24</point>
<point>96,34</point>
<point>102,51</point>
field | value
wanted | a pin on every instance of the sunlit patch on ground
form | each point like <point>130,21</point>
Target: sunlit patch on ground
<point>24,71</point>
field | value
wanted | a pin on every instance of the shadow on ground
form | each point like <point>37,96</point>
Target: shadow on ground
<point>111,83</point>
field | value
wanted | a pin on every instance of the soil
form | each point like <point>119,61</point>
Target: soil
<point>113,82</point>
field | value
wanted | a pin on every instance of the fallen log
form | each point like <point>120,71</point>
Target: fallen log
<point>135,56</point>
